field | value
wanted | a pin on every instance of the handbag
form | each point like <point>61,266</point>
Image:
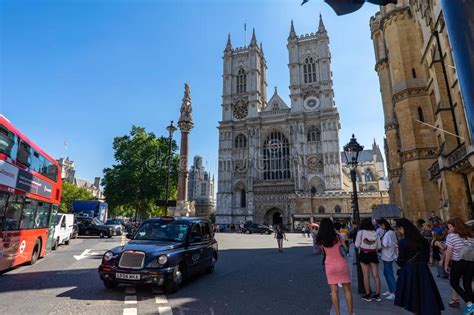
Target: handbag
<point>467,252</point>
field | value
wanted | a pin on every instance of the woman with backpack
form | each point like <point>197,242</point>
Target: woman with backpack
<point>460,253</point>
<point>388,255</point>
<point>416,289</point>
<point>368,243</point>
<point>337,269</point>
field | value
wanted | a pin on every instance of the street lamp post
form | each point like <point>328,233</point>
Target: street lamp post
<point>351,152</point>
<point>170,129</point>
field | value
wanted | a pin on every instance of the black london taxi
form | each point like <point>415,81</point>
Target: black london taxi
<point>163,251</point>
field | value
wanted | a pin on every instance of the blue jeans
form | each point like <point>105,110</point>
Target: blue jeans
<point>389,277</point>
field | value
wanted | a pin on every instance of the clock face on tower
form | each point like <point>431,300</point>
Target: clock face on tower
<point>311,103</point>
<point>240,110</point>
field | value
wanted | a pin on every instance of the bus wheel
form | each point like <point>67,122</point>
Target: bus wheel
<point>36,252</point>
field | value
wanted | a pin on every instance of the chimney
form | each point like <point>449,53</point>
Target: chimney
<point>97,182</point>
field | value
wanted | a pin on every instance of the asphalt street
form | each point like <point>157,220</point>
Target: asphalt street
<point>251,277</point>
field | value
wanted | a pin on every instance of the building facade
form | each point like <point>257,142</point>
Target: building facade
<point>280,163</point>
<point>68,172</point>
<point>201,189</point>
<point>68,169</point>
<point>427,142</point>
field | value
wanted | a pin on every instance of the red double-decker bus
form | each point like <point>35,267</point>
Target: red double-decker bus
<point>30,192</point>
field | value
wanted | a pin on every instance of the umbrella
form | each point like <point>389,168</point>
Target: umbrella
<point>342,7</point>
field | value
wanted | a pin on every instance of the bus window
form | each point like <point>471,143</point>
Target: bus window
<point>8,143</point>
<point>28,214</point>
<point>24,153</point>
<point>13,214</point>
<point>3,204</point>
<point>42,215</point>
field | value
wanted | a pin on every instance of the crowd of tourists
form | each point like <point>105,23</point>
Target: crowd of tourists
<point>412,248</point>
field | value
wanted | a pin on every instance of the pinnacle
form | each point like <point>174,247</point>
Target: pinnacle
<point>321,28</point>
<point>253,42</point>
<point>229,44</point>
<point>292,31</point>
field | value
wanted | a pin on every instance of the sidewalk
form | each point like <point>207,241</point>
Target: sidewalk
<point>385,307</point>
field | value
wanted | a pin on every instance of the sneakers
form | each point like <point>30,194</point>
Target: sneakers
<point>390,297</point>
<point>386,294</point>
<point>469,309</point>
<point>367,297</point>
<point>376,297</point>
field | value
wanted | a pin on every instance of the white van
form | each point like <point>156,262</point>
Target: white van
<point>63,229</point>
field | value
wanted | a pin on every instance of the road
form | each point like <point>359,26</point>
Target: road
<point>251,277</point>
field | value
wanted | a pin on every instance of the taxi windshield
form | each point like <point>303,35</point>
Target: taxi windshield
<point>170,231</point>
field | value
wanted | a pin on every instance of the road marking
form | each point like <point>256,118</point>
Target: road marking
<point>84,254</point>
<point>165,310</point>
<point>161,299</point>
<point>130,290</point>
<point>130,311</point>
<point>130,299</point>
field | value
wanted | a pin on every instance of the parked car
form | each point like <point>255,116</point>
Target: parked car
<point>250,228</point>
<point>92,226</point>
<point>163,251</point>
<point>63,229</point>
<point>117,225</point>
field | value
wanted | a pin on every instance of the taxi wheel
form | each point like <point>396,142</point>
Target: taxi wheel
<point>172,285</point>
<point>210,269</point>
<point>55,245</point>
<point>102,234</point>
<point>110,284</point>
<point>36,252</point>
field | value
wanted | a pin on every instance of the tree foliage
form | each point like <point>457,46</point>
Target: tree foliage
<point>70,193</point>
<point>138,178</point>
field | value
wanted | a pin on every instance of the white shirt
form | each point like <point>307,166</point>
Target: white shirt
<point>389,246</point>
<point>457,243</point>
<point>368,240</point>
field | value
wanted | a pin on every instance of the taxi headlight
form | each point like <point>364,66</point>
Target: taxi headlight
<point>162,259</point>
<point>108,256</point>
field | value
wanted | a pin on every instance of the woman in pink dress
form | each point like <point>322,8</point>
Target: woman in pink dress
<point>337,269</point>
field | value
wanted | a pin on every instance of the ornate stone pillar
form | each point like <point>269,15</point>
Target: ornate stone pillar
<point>185,124</point>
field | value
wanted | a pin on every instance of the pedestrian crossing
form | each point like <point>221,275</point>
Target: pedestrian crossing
<point>138,301</point>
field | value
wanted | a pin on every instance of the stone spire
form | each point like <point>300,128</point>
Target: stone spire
<point>228,47</point>
<point>185,122</point>
<point>261,48</point>
<point>292,32</point>
<point>321,27</point>
<point>253,41</point>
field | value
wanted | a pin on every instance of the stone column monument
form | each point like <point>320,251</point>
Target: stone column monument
<point>185,124</point>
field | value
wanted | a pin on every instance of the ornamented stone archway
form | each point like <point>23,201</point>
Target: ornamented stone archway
<point>274,216</point>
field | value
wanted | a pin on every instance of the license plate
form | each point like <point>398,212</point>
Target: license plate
<point>127,276</point>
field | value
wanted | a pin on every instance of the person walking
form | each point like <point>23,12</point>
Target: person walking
<point>337,269</point>
<point>388,255</point>
<point>280,235</point>
<point>314,235</point>
<point>460,245</point>
<point>416,290</point>
<point>368,243</point>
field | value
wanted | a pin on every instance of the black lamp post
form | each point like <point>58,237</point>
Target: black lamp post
<point>351,152</point>
<point>170,129</point>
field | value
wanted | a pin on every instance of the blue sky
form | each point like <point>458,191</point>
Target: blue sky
<point>85,71</point>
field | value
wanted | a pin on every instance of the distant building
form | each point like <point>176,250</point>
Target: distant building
<point>370,171</point>
<point>68,173</point>
<point>68,170</point>
<point>201,189</point>
<point>93,188</point>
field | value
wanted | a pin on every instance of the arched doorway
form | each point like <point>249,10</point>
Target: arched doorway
<point>274,216</point>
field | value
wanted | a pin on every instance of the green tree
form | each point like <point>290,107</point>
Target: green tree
<point>71,193</point>
<point>137,179</point>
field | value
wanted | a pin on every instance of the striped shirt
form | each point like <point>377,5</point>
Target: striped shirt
<point>457,243</point>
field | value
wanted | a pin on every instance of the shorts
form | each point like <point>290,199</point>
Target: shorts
<point>368,257</point>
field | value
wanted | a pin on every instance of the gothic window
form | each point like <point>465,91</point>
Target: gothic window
<point>421,117</point>
<point>369,176</point>
<point>372,188</point>
<point>337,209</point>
<point>203,189</point>
<point>243,198</point>
<point>241,81</point>
<point>309,70</point>
<point>276,157</point>
<point>240,141</point>
<point>313,134</point>
<point>413,73</point>
<point>321,209</point>
<point>275,106</point>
